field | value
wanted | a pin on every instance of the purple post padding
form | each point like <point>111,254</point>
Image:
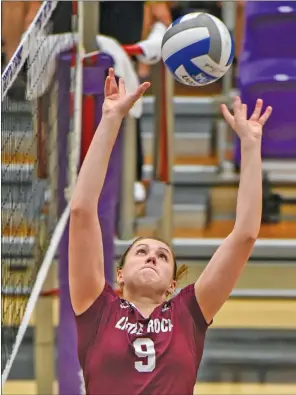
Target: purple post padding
<point>109,199</point>
<point>274,81</point>
<point>68,368</point>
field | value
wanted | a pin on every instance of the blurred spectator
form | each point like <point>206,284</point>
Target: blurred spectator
<point>154,11</point>
<point>16,18</point>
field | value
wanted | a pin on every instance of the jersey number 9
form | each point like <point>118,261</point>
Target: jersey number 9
<point>144,348</point>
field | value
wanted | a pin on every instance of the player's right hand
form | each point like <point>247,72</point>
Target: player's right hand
<point>117,101</point>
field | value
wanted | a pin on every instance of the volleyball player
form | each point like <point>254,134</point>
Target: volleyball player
<point>147,342</point>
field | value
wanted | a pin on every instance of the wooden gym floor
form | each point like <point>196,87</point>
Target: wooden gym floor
<point>29,388</point>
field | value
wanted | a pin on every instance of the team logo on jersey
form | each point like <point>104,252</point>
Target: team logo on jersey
<point>124,304</point>
<point>156,325</point>
<point>165,307</point>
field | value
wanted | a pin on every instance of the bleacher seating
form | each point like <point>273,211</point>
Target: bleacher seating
<point>273,80</point>
<point>267,69</point>
<point>254,353</point>
<point>270,28</point>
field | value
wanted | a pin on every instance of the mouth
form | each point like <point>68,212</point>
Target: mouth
<point>149,267</point>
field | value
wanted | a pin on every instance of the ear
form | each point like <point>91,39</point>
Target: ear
<point>120,281</point>
<point>172,288</point>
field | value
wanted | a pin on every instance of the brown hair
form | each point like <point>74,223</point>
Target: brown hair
<point>178,272</point>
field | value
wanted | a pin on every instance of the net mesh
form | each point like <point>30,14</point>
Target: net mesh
<point>28,166</point>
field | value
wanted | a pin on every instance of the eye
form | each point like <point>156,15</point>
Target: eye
<point>163,256</point>
<point>141,251</point>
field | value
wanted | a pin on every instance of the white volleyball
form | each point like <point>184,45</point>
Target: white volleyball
<point>198,49</point>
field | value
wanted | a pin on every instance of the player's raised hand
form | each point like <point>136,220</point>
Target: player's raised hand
<point>246,129</point>
<point>117,100</point>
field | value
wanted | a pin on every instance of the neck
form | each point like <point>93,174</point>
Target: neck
<point>145,304</point>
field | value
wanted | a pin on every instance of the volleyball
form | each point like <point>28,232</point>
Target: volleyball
<point>198,49</point>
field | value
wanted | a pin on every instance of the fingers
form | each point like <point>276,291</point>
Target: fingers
<point>122,90</point>
<point>263,119</point>
<point>113,84</point>
<point>143,87</point>
<point>237,104</point>
<point>257,110</point>
<point>110,84</point>
<point>239,111</point>
<point>243,111</point>
<point>138,93</point>
<point>229,118</point>
<point>125,101</point>
<point>107,87</point>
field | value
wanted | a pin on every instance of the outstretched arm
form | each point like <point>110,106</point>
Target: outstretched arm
<point>218,279</point>
<point>86,261</point>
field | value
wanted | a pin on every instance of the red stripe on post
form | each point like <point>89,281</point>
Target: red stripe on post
<point>75,7</point>
<point>73,56</point>
<point>88,124</point>
<point>91,59</point>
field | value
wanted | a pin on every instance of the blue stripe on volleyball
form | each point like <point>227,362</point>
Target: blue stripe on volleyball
<point>177,21</point>
<point>185,54</point>
<point>198,74</point>
<point>231,56</point>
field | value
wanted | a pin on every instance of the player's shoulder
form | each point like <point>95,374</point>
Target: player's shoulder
<point>112,296</point>
<point>183,298</point>
<point>185,294</point>
<point>187,304</point>
<point>106,300</point>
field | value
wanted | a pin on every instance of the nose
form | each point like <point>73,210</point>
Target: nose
<point>151,259</point>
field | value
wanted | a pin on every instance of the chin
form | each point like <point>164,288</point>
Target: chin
<point>148,278</point>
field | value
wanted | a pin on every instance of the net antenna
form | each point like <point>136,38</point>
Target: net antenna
<point>31,225</point>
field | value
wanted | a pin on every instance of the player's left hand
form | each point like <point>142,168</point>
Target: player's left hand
<point>249,130</point>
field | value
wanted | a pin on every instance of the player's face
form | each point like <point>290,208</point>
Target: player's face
<point>149,265</point>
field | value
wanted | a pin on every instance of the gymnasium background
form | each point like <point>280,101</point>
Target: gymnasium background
<point>189,197</point>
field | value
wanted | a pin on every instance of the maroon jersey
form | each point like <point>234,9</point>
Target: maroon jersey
<point>122,353</point>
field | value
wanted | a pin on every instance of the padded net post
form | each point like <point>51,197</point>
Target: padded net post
<point>126,225</point>
<point>163,158</point>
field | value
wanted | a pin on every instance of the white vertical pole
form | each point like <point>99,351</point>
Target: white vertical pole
<point>44,339</point>
<point>127,204</point>
<point>74,139</point>
<point>90,27</point>
<point>163,89</point>
<point>228,17</point>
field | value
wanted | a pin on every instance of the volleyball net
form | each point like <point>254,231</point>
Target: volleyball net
<point>31,222</point>
<point>45,136</point>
